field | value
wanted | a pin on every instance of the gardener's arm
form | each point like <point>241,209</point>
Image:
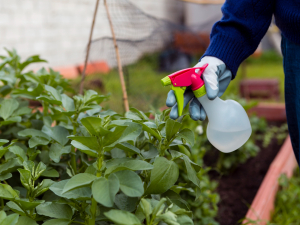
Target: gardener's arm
<point>237,35</point>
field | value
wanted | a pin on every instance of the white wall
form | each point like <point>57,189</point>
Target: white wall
<point>58,30</point>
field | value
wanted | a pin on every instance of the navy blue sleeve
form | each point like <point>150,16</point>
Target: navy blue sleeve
<point>237,35</point>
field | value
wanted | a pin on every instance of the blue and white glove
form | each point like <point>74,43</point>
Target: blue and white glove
<point>216,78</point>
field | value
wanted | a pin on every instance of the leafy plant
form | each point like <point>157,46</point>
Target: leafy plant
<point>79,164</point>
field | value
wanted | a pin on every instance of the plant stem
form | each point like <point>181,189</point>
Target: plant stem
<point>2,204</point>
<point>94,202</point>
<point>73,153</point>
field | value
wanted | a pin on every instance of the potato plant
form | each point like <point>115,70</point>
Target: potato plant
<point>71,162</point>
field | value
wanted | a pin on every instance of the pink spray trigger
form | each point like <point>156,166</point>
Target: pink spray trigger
<point>188,77</point>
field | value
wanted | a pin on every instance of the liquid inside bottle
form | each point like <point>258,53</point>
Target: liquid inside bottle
<point>229,126</point>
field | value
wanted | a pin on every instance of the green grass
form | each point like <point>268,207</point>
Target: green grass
<point>145,90</point>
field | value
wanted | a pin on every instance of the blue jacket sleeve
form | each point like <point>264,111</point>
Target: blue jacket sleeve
<point>237,35</point>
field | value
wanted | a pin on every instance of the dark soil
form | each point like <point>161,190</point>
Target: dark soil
<point>238,189</point>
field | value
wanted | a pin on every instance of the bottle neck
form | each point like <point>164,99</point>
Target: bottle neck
<point>208,104</point>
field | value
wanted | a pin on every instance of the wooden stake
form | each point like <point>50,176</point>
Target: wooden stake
<point>125,99</point>
<point>88,49</point>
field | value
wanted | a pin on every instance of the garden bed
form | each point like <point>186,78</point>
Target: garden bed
<point>238,189</point>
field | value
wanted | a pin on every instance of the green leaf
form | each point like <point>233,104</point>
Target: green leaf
<point>24,220</point>
<point>56,150</point>
<point>8,106</point>
<point>154,132</point>
<point>40,168</point>
<point>89,142</point>
<point>29,60</point>
<point>176,154</point>
<point>172,127</point>
<point>50,172</point>
<point>126,203</point>
<point>121,217</point>
<point>55,210</point>
<point>130,183</point>
<point>7,192</point>
<point>22,111</point>
<point>9,166</point>
<point>128,148</point>
<point>94,126</point>
<point>10,220</point>
<point>130,165</point>
<point>84,149</point>
<point>68,103</point>
<point>163,176</point>
<point>78,181</point>
<point>184,220</point>
<point>187,135</point>
<point>104,190</point>
<point>83,193</point>
<point>131,132</point>
<point>3,142</point>
<point>15,208</point>
<point>54,93</point>
<point>58,133</point>
<point>42,187</point>
<point>2,215</point>
<point>114,136</point>
<point>57,222</point>
<point>139,113</point>
<point>5,176</point>
<point>18,152</point>
<point>25,177</point>
<point>33,133</point>
<point>35,141</point>
<point>27,205</point>
<point>168,217</point>
<point>93,96</point>
<point>191,172</point>
<point>10,120</point>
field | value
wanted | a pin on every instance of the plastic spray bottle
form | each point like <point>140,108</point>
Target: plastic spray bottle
<point>229,126</point>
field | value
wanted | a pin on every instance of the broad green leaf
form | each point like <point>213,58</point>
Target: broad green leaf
<point>83,193</point>
<point>5,176</point>
<point>15,208</point>
<point>10,220</point>
<point>91,96</point>
<point>58,133</point>
<point>22,111</point>
<point>130,183</point>
<point>33,133</point>
<point>154,132</point>
<point>55,94</point>
<point>94,126</point>
<point>78,181</point>
<point>68,103</point>
<point>163,176</point>
<point>26,204</point>
<point>29,60</point>
<point>42,187</point>
<point>184,220</point>
<point>126,203</point>
<point>151,153</point>
<point>147,208</point>
<point>40,168</point>
<point>25,177</point>
<point>50,172</point>
<point>10,120</point>
<point>3,142</point>
<point>7,192</point>
<point>139,113</point>
<point>9,166</point>
<point>114,136</point>
<point>104,190</point>
<point>57,222</point>
<point>191,173</point>
<point>8,106</point>
<point>128,148</point>
<point>187,135</point>
<point>56,150</point>
<point>176,154</point>
<point>55,210</point>
<point>2,215</point>
<point>131,132</point>
<point>117,161</point>
<point>35,141</point>
<point>90,142</point>
<point>30,166</point>
<point>18,152</point>
<point>168,217</point>
<point>172,127</point>
<point>84,149</point>
<point>130,165</point>
<point>24,220</point>
<point>121,217</point>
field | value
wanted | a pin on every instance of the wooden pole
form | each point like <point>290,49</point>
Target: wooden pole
<point>121,75</point>
<point>88,49</point>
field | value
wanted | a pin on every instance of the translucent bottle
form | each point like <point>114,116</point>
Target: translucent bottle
<point>229,126</point>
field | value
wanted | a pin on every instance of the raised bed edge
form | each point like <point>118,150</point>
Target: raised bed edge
<point>263,203</point>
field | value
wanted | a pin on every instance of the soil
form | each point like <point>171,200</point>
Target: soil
<point>238,189</point>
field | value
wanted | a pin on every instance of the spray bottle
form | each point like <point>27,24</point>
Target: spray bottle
<point>228,123</point>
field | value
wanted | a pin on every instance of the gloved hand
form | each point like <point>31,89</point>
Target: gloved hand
<point>216,78</point>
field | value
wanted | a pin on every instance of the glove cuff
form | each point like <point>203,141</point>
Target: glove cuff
<point>200,92</point>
